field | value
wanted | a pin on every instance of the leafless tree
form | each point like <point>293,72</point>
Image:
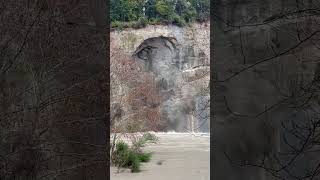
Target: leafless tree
<point>135,99</point>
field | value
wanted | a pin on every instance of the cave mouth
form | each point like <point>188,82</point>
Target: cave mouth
<point>158,52</point>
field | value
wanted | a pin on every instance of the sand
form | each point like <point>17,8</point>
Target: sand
<point>177,156</point>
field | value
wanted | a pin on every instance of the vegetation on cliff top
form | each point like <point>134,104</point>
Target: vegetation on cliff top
<point>139,13</point>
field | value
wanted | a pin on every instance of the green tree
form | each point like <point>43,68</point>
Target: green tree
<point>135,9</point>
<point>115,10</point>
<point>180,7</point>
<point>126,11</point>
<point>185,10</point>
<point>202,8</point>
<point>151,9</point>
<point>166,9</point>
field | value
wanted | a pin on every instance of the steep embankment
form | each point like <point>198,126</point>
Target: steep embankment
<point>179,58</point>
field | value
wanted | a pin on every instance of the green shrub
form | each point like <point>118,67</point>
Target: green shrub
<point>121,154</point>
<point>134,162</point>
<point>117,25</point>
<point>144,157</point>
<point>127,157</point>
<point>142,141</point>
<point>177,20</point>
<point>122,146</point>
<point>143,21</point>
<point>131,24</point>
<point>154,21</point>
<point>151,138</point>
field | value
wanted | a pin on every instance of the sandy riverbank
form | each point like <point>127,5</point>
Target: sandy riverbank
<point>177,156</point>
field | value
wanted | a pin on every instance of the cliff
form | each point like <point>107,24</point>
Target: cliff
<point>179,59</point>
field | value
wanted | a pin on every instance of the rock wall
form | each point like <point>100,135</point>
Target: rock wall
<point>179,58</point>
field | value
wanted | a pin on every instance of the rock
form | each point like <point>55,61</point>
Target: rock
<point>179,58</point>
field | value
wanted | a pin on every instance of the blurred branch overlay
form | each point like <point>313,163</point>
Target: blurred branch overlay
<point>266,89</point>
<point>53,86</point>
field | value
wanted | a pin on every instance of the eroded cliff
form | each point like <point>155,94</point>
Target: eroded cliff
<point>179,59</point>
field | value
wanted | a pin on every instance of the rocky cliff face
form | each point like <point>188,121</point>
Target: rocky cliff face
<point>179,58</point>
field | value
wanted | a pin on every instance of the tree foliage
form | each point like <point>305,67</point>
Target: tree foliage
<point>130,13</point>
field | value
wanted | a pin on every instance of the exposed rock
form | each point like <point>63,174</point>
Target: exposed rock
<point>179,58</point>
